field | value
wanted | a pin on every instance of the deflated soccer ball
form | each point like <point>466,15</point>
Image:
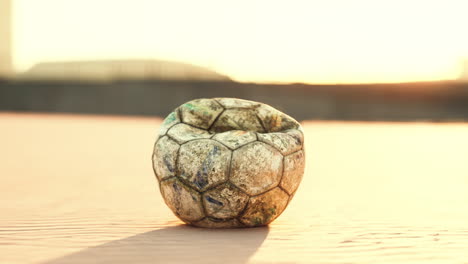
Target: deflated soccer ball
<point>226,162</point>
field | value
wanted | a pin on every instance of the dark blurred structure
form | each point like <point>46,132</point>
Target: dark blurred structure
<point>423,101</point>
<point>154,87</point>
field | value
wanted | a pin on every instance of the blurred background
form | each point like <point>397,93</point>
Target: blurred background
<point>79,187</point>
<point>317,60</point>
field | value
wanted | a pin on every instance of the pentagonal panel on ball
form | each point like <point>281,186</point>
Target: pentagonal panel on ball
<point>203,163</point>
<point>256,168</point>
<point>224,201</point>
<point>200,112</point>
<point>183,201</point>
<point>164,158</point>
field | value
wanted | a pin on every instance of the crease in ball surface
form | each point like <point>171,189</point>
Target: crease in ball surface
<point>227,162</point>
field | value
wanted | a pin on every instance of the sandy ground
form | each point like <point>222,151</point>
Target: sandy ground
<point>80,189</point>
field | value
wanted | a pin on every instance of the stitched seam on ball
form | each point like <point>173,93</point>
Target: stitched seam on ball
<point>200,195</point>
<point>181,118</point>
<point>214,186</point>
<point>183,142</point>
<point>282,176</point>
<point>215,219</point>
<point>191,140</point>
<point>285,206</point>
<point>287,193</point>
<point>194,126</point>
<point>205,212</point>
<point>230,167</point>
<point>168,178</point>
<point>271,145</point>
<point>295,152</point>
<point>290,195</point>
<point>243,211</point>
<point>215,120</point>
<point>195,222</point>
<point>220,104</point>
<point>169,128</point>
<point>152,158</point>
<point>177,171</point>
<point>256,195</point>
<point>261,123</point>
<point>231,149</point>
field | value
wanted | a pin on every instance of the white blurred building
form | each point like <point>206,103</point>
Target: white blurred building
<point>123,69</point>
<point>95,70</point>
<point>6,67</point>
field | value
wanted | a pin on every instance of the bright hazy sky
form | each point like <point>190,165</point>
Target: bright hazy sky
<point>322,41</point>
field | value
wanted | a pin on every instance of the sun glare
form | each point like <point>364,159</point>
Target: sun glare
<point>318,41</point>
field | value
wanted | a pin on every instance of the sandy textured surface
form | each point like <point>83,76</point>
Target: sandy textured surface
<point>80,189</point>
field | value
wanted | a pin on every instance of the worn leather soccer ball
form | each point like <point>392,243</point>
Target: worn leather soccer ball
<point>228,162</point>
